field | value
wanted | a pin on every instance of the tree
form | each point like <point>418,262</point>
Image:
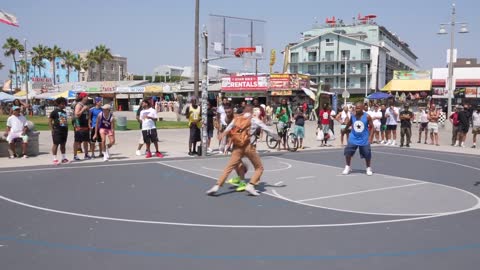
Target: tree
<point>81,64</point>
<point>102,54</point>
<point>39,53</point>
<point>11,47</point>
<point>1,65</point>
<point>69,58</point>
<point>23,67</point>
<point>52,54</point>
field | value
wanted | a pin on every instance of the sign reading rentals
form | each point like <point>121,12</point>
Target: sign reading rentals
<point>245,83</point>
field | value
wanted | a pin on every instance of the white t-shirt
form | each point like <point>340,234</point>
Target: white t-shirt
<point>344,116</point>
<point>392,120</point>
<point>148,124</point>
<point>423,117</point>
<point>223,115</point>
<point>16,124</point>
<point>374,115</point>
<point>476,119</point>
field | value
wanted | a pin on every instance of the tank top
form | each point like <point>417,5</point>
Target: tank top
<point>106,123</point>
<point>82,121</point>
<point>194,116</point>
<point>359,135</point>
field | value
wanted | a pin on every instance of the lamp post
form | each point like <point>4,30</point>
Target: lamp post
<point>366,80</point>
<point>443,31</point>
<point>205,94</point>
<point>27,69</point>
<point>345,93</point>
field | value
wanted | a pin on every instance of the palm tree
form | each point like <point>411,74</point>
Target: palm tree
<point>11,47</point>
<point>69,58</point>
<point>1,65</point>
<point>23,67</point>
<point>102,54</point>
<point>39,53</point>
<point>81,64</point>
<point>91,58</point>
<point>52,54</point>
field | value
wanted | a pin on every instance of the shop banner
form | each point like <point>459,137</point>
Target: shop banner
<point>411,75</point>
<point>282,93</point>
<point>440,91</point>
<point>471,92</point>
<point>289,81</point>
<point>127,89</point>
<point>459,93</point>
<point>245,83</point>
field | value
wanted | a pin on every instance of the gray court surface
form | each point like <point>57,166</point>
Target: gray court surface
<point>418,211</point>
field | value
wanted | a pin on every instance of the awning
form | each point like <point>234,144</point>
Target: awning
<point>321,92</point>
<point>309,93</point>
<point>458,82</point>
<point>153,89</point>
<point>21,93</point>
<point>408,85</point>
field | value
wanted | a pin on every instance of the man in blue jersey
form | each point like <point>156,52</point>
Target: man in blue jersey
<point>360,137</point>
<point>94,112</point>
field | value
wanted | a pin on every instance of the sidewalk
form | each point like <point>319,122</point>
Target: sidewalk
<point>174,143</point>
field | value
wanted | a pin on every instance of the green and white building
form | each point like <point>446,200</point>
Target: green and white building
<point>371,52</point>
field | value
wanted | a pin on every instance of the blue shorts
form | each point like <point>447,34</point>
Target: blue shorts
<point>300,132</point>
<point>365,151</point>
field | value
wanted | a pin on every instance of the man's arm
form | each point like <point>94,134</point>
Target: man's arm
<point>371,127</point>
<point>79,109</point>
<point>264,127</point>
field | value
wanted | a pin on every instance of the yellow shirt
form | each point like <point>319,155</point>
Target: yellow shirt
<point>194,116</point>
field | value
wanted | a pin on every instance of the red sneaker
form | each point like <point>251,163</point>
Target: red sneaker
<point>159,155</point>
<point>56,162</point>
<point>148,155</point>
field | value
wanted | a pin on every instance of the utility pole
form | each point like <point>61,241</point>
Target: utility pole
<point>205,95</point>
<point>196,61</point>
<point>27,69</point>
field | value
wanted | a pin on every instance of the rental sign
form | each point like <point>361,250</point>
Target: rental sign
<point>245,83</point>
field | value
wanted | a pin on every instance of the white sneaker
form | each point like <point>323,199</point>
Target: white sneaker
<point>389,143</point>
<point>393,143</point>
<point>213,190</point>
<point>105,157</point>
<point>251,190</point>
<point>209,150</point>
<point>369,171</point>
<point>382,142</point>
<point>138,153</point>
<point>347,170</point>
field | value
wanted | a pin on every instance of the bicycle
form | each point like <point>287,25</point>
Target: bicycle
<point>292,140</point>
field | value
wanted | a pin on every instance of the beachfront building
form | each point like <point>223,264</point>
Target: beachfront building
<point>365,52</point>
<point>111,70</point>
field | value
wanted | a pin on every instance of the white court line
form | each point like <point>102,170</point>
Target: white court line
<point>305,177</point>
<point>433,159</point>
<point>360,192</point>
<point>270,170</point>
<point>426,151</point>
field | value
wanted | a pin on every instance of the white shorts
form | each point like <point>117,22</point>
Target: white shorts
<point>433,127</point>
<point>377,126</point>
<point>16,135</point>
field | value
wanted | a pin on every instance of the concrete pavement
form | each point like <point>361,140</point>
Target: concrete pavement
<point>174,144</point>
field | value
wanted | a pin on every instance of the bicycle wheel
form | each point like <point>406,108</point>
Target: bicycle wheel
<point>292,142</point>
<point>271,142</point>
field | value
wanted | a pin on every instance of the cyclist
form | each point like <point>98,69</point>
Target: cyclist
<point>284,115</point>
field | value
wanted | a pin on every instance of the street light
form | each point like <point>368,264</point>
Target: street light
<point>366,80</point>
<point>443,31</point>
<point>345,93</point>
<point>27,68</point>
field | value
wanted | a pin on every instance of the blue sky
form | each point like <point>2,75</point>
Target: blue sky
<point>155,32</point>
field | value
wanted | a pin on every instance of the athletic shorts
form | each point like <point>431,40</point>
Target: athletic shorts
<point>433,127</point>
<point>59,137</point>
<point>383,127</point>
<point>463,129</point>
<point>325,129</point>
<point>17,136</point>
<point>344,129</point>
<point>392,127</point>
<point>106,132</point>
<point>300,132</point>
<point>423,126</point>
<point>92,133</point>
<point>475,130</point>
<point>365,151</point>
<point>376,126</point>
<point>194,133</point>
<point>210,133</point>
<point>82,136</point>
<point>150,136</point>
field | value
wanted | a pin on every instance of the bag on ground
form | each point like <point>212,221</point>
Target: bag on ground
<point>320,134</point>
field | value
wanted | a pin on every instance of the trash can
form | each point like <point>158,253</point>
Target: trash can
<point>121,123</point>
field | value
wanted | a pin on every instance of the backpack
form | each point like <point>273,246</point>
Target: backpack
<point>240,133</point>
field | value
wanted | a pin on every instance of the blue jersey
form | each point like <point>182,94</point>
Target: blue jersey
<point>94,114</point>
<point>359,135</point>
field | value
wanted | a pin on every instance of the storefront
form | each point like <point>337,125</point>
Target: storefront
<point>245,88</point>
<point>290,87</point>
<point>126,98</point>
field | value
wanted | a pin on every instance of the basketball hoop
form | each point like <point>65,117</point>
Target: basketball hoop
<point>240,51</point>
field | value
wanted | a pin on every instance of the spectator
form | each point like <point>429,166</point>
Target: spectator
<point>105,125</point>
<point>283,114</point>
<point>59,126</point>
<point>82,134</point>
<point>94,112</point>
<point>343,119</point>
<point>383,124</point>
<point>476,125</point>
<point>17,131</point>
<point>141,142</point>
<point>300,126</point>
<point>376,116</point>
<point>210,119</point>
<point>325,116</point>
<point>423,125</point>
<point>392,117</point>
<point>193,115</point>
<point>433,116</point>
<point>464,125</point>
<point>406,117</point>
<point>455,125</point>
<point>148,115</point>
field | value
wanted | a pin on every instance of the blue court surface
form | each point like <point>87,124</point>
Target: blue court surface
<point>418,211</point>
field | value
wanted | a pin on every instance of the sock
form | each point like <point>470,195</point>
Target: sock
<point>64,156</point>
<point>54,157</point>
<point>456,142</point>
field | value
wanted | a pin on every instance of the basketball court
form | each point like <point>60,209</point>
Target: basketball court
<point>419,210</point>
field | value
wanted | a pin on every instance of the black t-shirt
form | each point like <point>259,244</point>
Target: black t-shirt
<point>383,120</point>
<point>405,122</point>
<point>59,118</point>
<point>300,120</point>
<point>210,115</point>
<point>463,119</point>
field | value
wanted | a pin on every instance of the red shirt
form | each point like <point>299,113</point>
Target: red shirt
<point>325,117</point>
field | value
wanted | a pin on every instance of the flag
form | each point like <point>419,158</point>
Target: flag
<point>8,18</point>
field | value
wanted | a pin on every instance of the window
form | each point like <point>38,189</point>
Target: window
<point>58,78</point>
<point>312,56</point>
<point>113,68</point>
<point>345,54</point>
<point>57,65</point>
<point>365,54</point>
<point>294,69</point>
<point>312,69</point>
<point>327,40</point>
<point>329,69</point>
<point>294,57</point>
<point>329,55</point>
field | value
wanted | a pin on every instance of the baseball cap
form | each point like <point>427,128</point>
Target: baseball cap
<point>106,107</point>
<point>82,95</point>
<point>98,99</point>
<point>16,108</point>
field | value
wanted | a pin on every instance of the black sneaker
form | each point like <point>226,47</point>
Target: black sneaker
<point>191,154</point>
<point>401,145</point>
<point>408,145</point>
<point>100,156</point>
<point>87,157</point>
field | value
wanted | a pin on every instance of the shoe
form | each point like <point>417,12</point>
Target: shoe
<point>159,155</point>
<point>148,155</point>
<point>213,190</point>
<point>100,156</point>
<point>394,143</point>
<point>401,145</point>
<point>24,156</point>
<point>65,161</point>
<point>456,145</point>
<point>408,145</point>
<point>382,142</point>
<point>426,142</point>
<point>105,158</point>
<point>369,171</point>
<point>241,186</point>
<point>87,157</point>
<point>76,158</point>
<point>473,146</point>
<point>93,156</point>
<point>418,142</point>
<point>462,145</point>
<point>11,157</point>
<point>251,190</point>
<point>191,154</point>
<point>138,153</point>
<point>389,143</point>
<point>347,170</point>
<point>209,150</point>
<point>56,162</point>
<point>235,181</point>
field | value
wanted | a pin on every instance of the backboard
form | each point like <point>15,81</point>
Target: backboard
<point>236,37</point>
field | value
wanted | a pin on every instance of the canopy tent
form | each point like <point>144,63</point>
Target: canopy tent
<point>70,94</point>
<point>45,95</point>
<point>6,97</point>
<point>408,85</point>
<point>379,95</point>
<point>309,93</point>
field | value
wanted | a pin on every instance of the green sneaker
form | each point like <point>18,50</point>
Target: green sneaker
<point>241,186</point>
<point>235,181</point>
